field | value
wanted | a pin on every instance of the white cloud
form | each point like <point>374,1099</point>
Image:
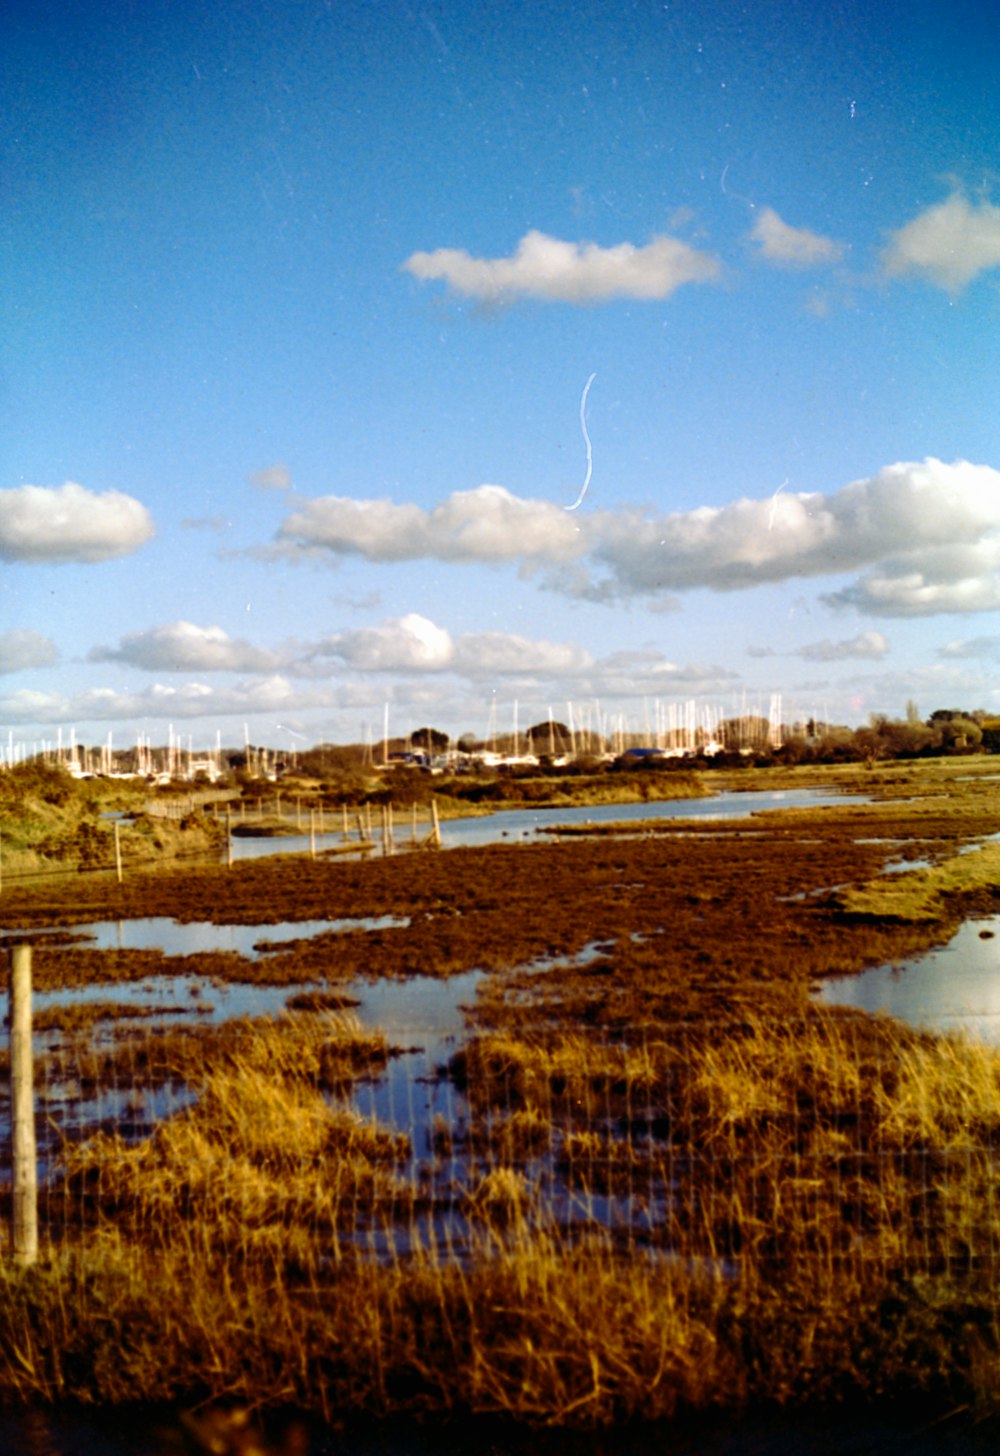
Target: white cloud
<point>69,523</point>
<point>23,648</point>
<point>866,646</point>
<point>415,644</point>
<point>582,273</point>
<point>411,643</point>
<point>184,647</point>
<point>949,244</point>
<point>273,696</point>
<point>972,647</point>
<point>926,533</point>
<point>487,524</point>
<point>910,508</point>
<point>960,577</point>
<point>792,247</point>
<point>489,654</point>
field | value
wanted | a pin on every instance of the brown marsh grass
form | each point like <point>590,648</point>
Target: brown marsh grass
<point>327,1052</point>
<point>805,1201</point>
<point>826,1230</point>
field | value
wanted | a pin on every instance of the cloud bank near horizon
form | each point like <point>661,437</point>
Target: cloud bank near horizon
<point>185,647</point>
<point>411,661</point>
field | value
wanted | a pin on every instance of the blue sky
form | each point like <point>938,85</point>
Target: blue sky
<point>301,302</point>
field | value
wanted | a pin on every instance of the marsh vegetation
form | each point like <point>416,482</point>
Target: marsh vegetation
<point>668,1180</point>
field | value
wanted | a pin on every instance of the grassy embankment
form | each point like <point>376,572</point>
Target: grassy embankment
<point>51,822</point>
<point>807,1199</point>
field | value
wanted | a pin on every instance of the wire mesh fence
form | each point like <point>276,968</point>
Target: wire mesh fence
<point>834,1141</point>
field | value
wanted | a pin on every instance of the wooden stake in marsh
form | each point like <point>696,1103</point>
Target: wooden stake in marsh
<point>22,1095</point>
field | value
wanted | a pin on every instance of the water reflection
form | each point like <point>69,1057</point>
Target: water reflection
<point>177,938</point>
<point>513,825</point>
<point>526,824</point>
<point>956,987</point>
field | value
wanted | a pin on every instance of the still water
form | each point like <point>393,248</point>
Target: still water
<point>175,937</point>
<point>515,825</point>
<point>953,988</point>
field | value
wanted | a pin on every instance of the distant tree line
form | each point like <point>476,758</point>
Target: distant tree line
<point>947,731</point>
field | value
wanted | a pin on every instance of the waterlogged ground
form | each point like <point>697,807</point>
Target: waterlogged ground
<point>592,1030</point>
<point>732,906</point>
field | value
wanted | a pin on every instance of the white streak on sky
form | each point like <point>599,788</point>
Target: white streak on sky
<point>586,437</point>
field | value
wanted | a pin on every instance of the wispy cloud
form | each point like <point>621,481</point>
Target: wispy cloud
<point>217,522</point>
<point>987,648</point>
<point>792,247</point>
<point>273,477</point>
<point>867,646</point>
<point>69,523</point>
<point>926,535</point>
<point>543,267</point>
<point>23,648</point>
<point>949,244</point>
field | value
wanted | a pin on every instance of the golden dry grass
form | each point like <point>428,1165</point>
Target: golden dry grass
<point>818,1220</point>
<point>804,1201</point>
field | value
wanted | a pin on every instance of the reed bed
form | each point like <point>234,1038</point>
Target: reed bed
<point>603,1230</point>
<point>656,1179</point>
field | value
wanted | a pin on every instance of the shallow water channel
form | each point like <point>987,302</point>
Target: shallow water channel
<point>953,988</point>
<point>513,825</point>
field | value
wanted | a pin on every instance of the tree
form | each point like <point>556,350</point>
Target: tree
<point>960,733</point>
<point>430,739</point>
<point>550,737</point>
<point>991,735</point>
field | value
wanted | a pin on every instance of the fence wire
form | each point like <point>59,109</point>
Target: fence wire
<point>836,1141</point>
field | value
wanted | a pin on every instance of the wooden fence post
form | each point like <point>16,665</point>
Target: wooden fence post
<point>22,1096</point>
